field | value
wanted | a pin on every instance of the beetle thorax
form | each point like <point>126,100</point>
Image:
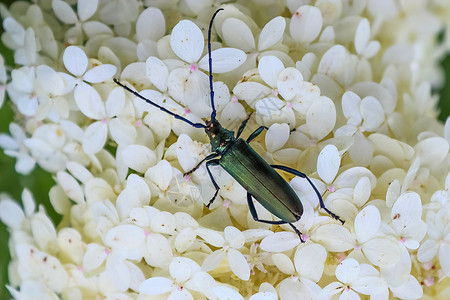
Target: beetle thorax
<point>219,137</point>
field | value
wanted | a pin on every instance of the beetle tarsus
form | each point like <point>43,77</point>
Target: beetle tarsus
<point>297,232</point>
<point>212,199</point>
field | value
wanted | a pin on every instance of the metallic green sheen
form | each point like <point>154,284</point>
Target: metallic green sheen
<point>261,181</point>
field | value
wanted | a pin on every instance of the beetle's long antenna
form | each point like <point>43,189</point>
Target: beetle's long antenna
<point>213,114</point>
<point>196,125</point>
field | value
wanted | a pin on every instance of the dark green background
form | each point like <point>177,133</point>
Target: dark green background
<point>39,182</point>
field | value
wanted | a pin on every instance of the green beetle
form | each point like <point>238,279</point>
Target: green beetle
<point>247,167</point>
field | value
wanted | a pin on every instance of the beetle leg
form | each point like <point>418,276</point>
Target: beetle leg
<point>213,162</point>
<point>252,208</point>
<point>302,175</point>
<point>256,133</point>
<point>211,156</point>
<point>242,126</point>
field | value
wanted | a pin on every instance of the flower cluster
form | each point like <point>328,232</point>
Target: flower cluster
<point>344,88</point>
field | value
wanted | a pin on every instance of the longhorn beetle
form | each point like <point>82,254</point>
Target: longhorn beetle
<point>250,170</point>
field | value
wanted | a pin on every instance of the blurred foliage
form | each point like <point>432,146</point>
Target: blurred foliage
<point>39,182</point>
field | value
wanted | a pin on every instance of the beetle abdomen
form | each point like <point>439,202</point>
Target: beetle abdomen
<point>256,176</point>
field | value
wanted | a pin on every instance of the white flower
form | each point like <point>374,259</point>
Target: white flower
<point>270,35</point>
<point>85,10</point>
<point>362,115</point>
<point>266,292</point>
<point>186,278</point>
<point>14,146</point>
<point>234,240</point>
<point>438,242</point>
<point>187,43</point>
<point>276,137</point>
<point>349,191</point>
<point>76,62</point>
<point>355,278</point>
<point>379,250</point>
<point>112,117</point>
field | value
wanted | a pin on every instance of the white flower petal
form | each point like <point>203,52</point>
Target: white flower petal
<point>367,223</point>
<point>89,102</point>
<point>362,36</point>
<point>238,264</point>
<point>269,107</point>
<point>276,136</point>
<point>224,292</point>
<point>264,296</point>
<point>185,238</point>
<point>197,95</point>
<point>406,212</point>
<point>333,237</point>
<point>271,33</point>
<point>306,24</point>
<point>70,186</point>
<point>362,191</point>
<point>280,242</point>
<point>94,137</point>
<point>321,117</point>
<point>181,268</point>
<point>75,60</point>
<point>362,150</point>
<point>347,271</point>
<point>159,251</point>
<point>350,107</point>
<point>251,92</point>
<point>211,236</point>
<point>334,62</point>
<point>432,151</point>
<point>289,83</point>
<point>369,285</point>
<point>328,163</point>
<point>43,231</point>
<point>115,102</point>
<point>136,194</point>
<point>444,258</point>
<point>213,260</point>
<point>333,288</point>
<point>234,237</point>
<point>187,41</point>
<point>11,214</point>
<point>157,72</point>
<point>94,257</point>
<point>372,48</point>
<point>409,290</point>
<point>138,157</point>
<point>269,69</point>
<point>100,73</point>
<point>310,261</point>
<point>125,237</point>
<point>150,25</point>
<point>122,133</point>
<point>381,251</point>
<point>156,286</point>
<point>372,113</point>
<point>161,174</point>
<point>244,40</point>
<point>180,294</point>
<point>64,12</point>
<point>283,263</point>
<point>163,222</point>
<point>29,205</point>
<point>223,60</point>
<point>86,8</point>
